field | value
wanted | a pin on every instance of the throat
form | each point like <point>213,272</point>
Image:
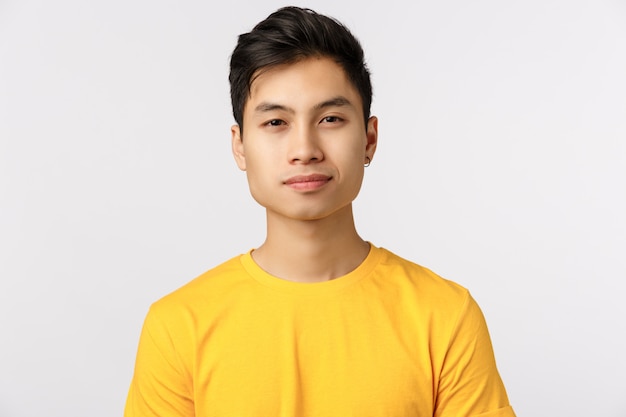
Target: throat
<point>311,262</point>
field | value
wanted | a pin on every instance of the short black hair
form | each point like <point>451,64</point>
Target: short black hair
<point>289,35</point>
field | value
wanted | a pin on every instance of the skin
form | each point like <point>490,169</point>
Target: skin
<point>303,152</point>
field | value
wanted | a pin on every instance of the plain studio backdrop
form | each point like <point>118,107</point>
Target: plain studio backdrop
<point>501,165</point>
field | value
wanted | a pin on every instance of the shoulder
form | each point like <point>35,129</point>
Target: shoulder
<point>417,279</point>
<point>203,290</point>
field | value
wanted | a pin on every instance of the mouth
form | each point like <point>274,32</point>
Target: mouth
<point>308,182</point>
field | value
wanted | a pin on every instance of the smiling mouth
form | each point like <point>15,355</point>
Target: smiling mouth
<point>308,182</point>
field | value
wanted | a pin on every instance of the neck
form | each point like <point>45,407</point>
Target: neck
<point>311,250</point>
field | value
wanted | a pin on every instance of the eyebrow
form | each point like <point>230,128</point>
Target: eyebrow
<point>339,101</point>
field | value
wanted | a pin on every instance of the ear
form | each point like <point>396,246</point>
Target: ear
<point>372,137</point>
<point>237,145</point>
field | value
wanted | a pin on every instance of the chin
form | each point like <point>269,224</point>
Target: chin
<point>311,213</point>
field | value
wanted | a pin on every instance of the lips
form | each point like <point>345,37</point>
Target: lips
<point>308,182</point>
<point>307,178</point>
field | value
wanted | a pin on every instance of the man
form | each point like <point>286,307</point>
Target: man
<point>315,321</point>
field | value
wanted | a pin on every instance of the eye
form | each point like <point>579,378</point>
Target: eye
<point>331,119</point>
<point>275,122</point>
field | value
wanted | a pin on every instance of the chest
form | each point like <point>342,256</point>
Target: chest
<point>340,357</point>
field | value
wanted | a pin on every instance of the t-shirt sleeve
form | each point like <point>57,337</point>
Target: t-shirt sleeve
<point>470,385</point>
<point>160,386</point>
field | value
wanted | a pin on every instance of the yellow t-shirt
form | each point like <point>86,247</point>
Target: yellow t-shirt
<point>389,339</point>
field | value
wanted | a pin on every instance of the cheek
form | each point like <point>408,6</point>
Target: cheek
<point>256,187</point>
<point>358,178</point>
<point>260,173</point>
<point>352,174</point>
<point>352,160</point>
<point>255,160</point>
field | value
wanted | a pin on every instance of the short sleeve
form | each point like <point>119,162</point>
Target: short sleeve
<point>160,385</point>
<point>470,385</point>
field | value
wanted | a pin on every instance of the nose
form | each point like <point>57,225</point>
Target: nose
<point>304,147</point>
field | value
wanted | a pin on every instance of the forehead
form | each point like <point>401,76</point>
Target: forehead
<point>305,82</point>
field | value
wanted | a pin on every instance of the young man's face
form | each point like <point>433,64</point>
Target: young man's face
<point>304,142</point>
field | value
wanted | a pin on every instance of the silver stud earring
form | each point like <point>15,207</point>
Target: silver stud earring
<point>369,161</point>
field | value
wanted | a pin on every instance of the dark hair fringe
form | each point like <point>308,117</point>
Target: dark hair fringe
<point>286,36</point>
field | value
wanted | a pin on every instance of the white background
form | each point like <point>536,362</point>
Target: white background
<point>501,165</point>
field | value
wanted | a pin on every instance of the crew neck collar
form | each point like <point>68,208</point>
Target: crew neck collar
<point>337,284</point>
